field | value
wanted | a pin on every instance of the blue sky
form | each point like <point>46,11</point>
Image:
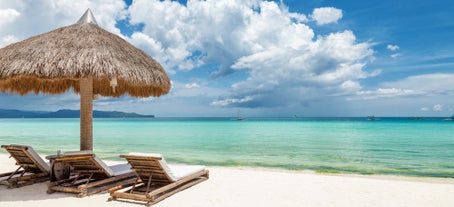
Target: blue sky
<point>266,58</point>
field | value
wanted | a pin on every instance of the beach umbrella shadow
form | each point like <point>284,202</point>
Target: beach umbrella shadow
<point>85,58</point>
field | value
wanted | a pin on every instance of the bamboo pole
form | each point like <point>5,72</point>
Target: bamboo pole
<point>86,113</point>
<point>97,189</point>
<point>192,177</point>
<point>124,195</point>
<point>107,180</point>
<point>64,189</point>
<point>175,190</point>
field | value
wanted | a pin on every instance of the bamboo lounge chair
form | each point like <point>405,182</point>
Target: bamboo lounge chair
<point>90,174</point>
<point>32,168</point>
<point>156,180</point>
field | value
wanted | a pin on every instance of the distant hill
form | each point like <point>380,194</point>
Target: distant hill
<point>66,113</point>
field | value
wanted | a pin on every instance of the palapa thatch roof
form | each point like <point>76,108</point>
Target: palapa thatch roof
<point>54,62</point>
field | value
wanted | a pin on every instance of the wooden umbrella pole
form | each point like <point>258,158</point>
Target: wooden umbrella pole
<point>86,114</point>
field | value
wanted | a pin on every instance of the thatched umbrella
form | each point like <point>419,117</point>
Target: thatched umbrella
<point>83,57</point>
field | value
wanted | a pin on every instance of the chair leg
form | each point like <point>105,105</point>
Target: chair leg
<point>75,179</point>
<point>15,172</point>
<point>135,183</point>
<point>25,170</point>
<point>148,184</point>
<point>89,178</point>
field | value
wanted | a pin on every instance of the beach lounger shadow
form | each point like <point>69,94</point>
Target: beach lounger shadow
<point>156,180</point>
<point>32,168</point>
<point>90,175</point>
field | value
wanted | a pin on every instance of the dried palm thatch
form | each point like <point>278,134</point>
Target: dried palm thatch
<point>55,61</point>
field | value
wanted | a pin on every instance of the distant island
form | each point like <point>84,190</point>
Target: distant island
<point>66,113</point>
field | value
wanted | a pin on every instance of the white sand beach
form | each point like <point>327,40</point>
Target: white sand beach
<point>230,187</point>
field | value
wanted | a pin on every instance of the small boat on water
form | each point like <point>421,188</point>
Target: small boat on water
<point>416,118</point>
<point>450,119</point>
<point>238,118</point>
<point>372,118</point>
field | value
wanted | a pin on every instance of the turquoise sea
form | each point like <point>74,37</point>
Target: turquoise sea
<point>397,146</point>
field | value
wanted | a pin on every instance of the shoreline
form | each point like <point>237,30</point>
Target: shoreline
<point>414,178</point>
<point>244,186</point>
<point>352,175</point>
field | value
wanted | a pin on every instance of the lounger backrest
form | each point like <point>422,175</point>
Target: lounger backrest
<point>26,157</point>
<point>86,162</point>
<point>150,164</point>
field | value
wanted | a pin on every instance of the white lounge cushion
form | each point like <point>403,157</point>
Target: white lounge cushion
<point>146,154</point>
<point>106,168</point>
<point>181,171</point>
<point>120,169</point>
<point>174,172</point>
<point>39,161</point>
<point>83,152</point>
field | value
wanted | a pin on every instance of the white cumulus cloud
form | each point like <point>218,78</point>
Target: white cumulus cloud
<point>326,15</point>
<point>437,107</point>
<point>432,84</point>
<point>388,93</point>
<point>392,47</point>
<point>425,109</point>
<point>214,31</point>
<point>351,86</point>
<point>280,53</point>
<point>395,55</point>
<point>8,39</point>
<point>229,101</point>
<point>7,16</point>
<point>192,85</point>
<point>329,65</point>
<point>423,88</point>
<point>282,61</point>
<point>22,19</point>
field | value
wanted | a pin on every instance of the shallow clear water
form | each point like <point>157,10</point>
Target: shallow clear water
<point>346,145</point>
